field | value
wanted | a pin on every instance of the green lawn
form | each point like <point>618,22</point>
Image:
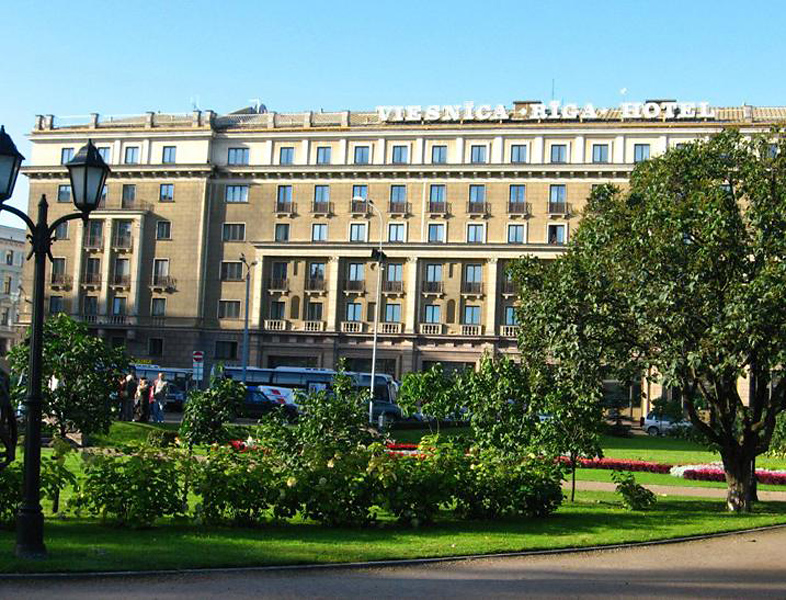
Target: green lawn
<point>658,479</point>
<point>78,545</point>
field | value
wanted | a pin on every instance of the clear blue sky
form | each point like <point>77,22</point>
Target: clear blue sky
<point>78,57</point>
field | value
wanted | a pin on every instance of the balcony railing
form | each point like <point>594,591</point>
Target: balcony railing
<point>437,207</point>
<point>89,318</point>
<point>432,287</point>
<point>393,287</point>
<point>314,326</point>
<point>519,208</point>
<point>61,279</point>
<point>91,278</point>
<point>478,208</point>
<point>398,208</point>
<point>321,208</point>
<point>121,279</point>
<point>508,287</point>
<point>471,287</point>
<point>558,208</point>
<point>352,326</point>
<point>275,324</point>
<point>164,281</point>
<point>358,207</point>
<point>285,207</point>
<point>117,320</point>
<point>315,284</point>
<point>390,328</point>
<point>473,330</point>
<point>508,330</point>
<point>355,285</point>
<point>431,328</point>
<point>122,242</point>
<point>278,284</point>
<point>94,242</point>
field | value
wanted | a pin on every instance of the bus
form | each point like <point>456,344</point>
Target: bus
<point>283,383</point>
<point>181,381</point>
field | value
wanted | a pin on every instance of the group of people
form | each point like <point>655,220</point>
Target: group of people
<point>142,400</point>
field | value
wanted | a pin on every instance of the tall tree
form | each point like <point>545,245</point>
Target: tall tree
<point>682,277</point>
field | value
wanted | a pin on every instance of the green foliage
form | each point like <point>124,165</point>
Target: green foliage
<point>208,412</point>
<point>10,493</point>
<point>435,392</point>
<point>55,476</point>
<point>161,438</point>
<point>87,371</point>
<point>134,489</point>
<point>634,495</point>
<point>778,444</point>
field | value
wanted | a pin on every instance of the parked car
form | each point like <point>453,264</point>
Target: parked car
<point>658,424</point>
<point>262,399</point>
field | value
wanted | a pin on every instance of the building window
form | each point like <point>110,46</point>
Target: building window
<point>354,311</point>
<point>160,271</point>
<point>400,155</point>
<point>518,193</point>
<point>128,196</point>
<point>319,232</point>
<point>476,234</point>
<point>323,155</point>
<point>515,234</point>
<point>55,305</point>
<point>439,155</point>
<point>314,311</point>
<point>477,154</point>
<point>5,319</point>
<point>356,271</point>
<point>398,194</point>
<point>282,232</point>
<point>122,271</point>
<point>392,313</point>
<point>286,155</point>
<point>64,193</point>
<point>102,199</point>
<point>231,271</point>
<point>118,306</point>
<point>234,232</point>
<point>559,153</point>
<point>600,153</point>
<point>360,191</point>
<point>436,233</point>
<point>556,235</point>
<point>434,273</point>
<point>104,153</point>
<point>278,310</point>
<point>92,271</point>
<point>66,154</point>
<point>229,309</point>
<point>169,155</point>
<point>9,281</point>
<point>132,155</point>
<point>362,155</point>
<point>436,193</point>
<point>166,192</point>
<point>432,313</point>
<point>394,272</point>
<point>225,350</point>
<point>236,193</point>
<point>641,152</point>
<point>471,315</point>
<point>61,232</point>
<point>90,305</point>
<point>518,153</point>
<point>477,193</point>
<point>155,346</point>
<point>510,316</point>
<point>158,307</point>
<point>396,232</point>
<point>237,156</point>
<point>163,230</point>
<point>284,198</point>
<point>321,193</point>
<point>557,194</point>
<point>357,232</point>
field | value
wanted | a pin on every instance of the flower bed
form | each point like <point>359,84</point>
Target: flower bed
<point>713,474</point>
<point>620,464</point>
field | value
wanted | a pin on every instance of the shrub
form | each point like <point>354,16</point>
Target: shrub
<point>55,476</point>
<point>634,495</point>
<point>134,489</point>
<point>161,438</point>
<point>208,412</point>
<point>10,493</point>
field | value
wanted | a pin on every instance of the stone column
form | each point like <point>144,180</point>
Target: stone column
<point>257,294</point>
<point>333,292</point>
<point>135,269</point>
<point>411,318</point>
<point>491,298</point>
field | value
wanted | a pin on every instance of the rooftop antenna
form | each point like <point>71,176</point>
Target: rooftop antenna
<point>194,102</point>
<point>256,103</point>
<point>552,88</point>
<point>623,92</point>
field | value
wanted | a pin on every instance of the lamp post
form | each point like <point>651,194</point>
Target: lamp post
<point>245,310</point>
<point>87,172</point>
<point>379,256</point>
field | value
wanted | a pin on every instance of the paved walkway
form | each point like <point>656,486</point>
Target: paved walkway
<point>673,490</point>
<point>738,566</point>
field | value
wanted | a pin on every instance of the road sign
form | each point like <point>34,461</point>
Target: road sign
<point>198,356</point>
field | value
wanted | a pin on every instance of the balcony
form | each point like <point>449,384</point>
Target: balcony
<point>91,278</point>
<point>472,330</point>
<point>398,208</point>
<point>94,242</point>
<point>277,284</point>
<point>275,325</point>
<point>558,208</point>
<point>393,287</point>
<point>358,207</point>
<point>117,320</point>
<point>509,331</point>
<point>438,207</point>
<point>130,204</point>
<point>314,326</point>
<point>164,282</point>
<point>472,288</point>
<point>352,326</point>
<point>355,285</point>
<point>285,207</point>
<point>315,284</point>
<point>121,280</point>
<point>509,288</point>
<point>481,209</point>
<point>321,208</point>
<point>390,328</point>
<point>431,328</point>
<point>89,318</point>
<point>122,242</point>
<point>432,287</point>
<point>519,209</point>
<point>60,280</point>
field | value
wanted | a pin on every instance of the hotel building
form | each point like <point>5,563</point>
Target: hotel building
<point>454,194</point>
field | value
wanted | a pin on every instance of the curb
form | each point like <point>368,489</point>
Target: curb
<point>371,564</point>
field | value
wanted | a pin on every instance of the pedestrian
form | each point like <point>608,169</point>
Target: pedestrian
<point>142,402</point>
<point>158,397</point>
<point>129,394</point>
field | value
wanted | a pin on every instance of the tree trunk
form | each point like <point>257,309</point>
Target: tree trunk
<point>738,480</point>
<point>753,490</point>
<point>572,479</point>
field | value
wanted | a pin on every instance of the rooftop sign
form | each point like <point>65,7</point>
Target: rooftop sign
<point>554,110</point>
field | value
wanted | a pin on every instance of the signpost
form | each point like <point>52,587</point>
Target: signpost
<point>198,358</point>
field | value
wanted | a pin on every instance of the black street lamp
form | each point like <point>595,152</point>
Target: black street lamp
<point>87,172</point>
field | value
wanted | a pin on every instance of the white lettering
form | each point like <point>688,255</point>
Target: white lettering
<point>570,111</point>
<point>588,112</point>
<point>537,111</point>
<point>412,113</point>
<point>451,112</point>
<point>668,109</point>
<point>384,112</point>
<point>631,110</point>
<point>554,109</point>
<point>650,110</point>
<point>468,110</point>
<point>705,112</point>
<point>687,110</point>
<point>432,113</point>
<point>500,112</point>
<point>483,112</point>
